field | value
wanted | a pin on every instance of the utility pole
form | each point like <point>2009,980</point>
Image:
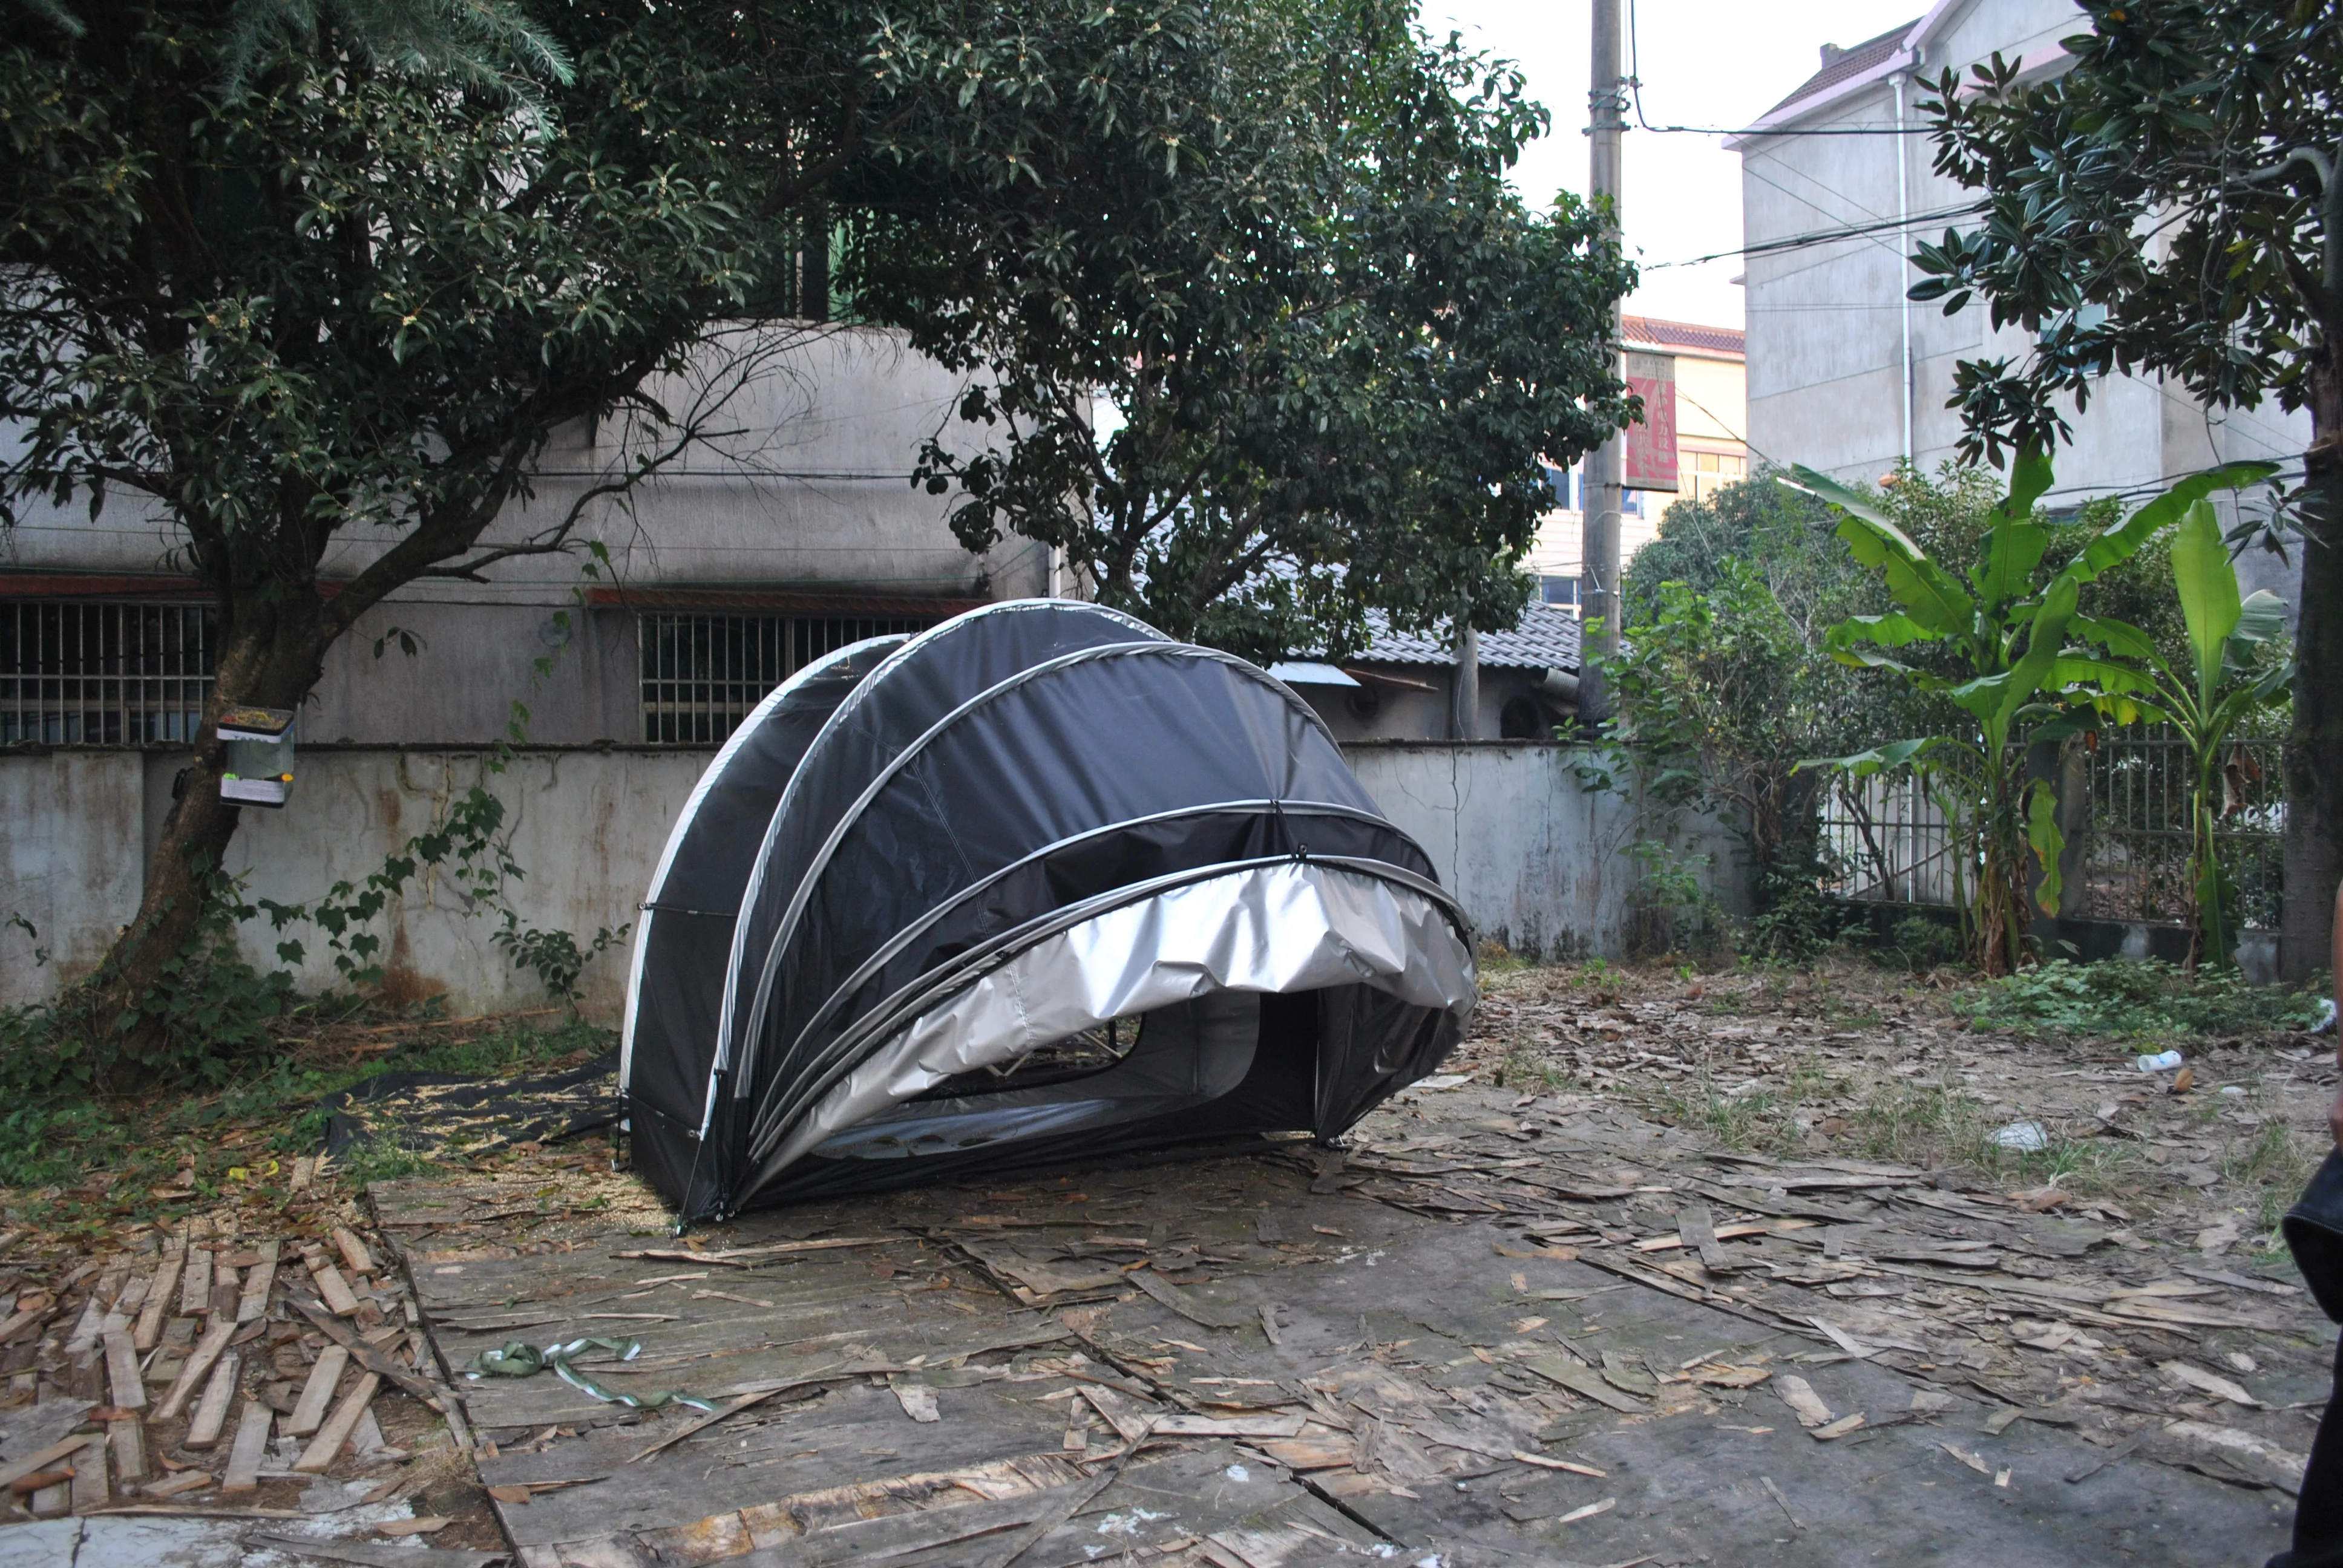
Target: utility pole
<point>1598,594</point>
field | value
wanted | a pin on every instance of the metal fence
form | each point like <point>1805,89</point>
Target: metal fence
<point>1883,840</point>
<point>94,673</point>
<point>702,674</point>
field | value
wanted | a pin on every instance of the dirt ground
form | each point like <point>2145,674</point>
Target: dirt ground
<point>1665,1267</point>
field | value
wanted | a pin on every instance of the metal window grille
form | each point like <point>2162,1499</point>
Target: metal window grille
<point>81,673</point>
<point>1885,840</point>
<point>2136,867</point>
<point>702,674</point>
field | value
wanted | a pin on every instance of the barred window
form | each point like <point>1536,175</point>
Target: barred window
<point>82,673</point>
<point>702,674</point>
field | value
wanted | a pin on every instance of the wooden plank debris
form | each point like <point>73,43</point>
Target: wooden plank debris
<point>309,1409</point>
<point>354,1253</point>
<point>254,1305</point>
<point>90,1488</point>
<point>211,1411</point>
<point>149,1332</point>
<point>128,1439</point>
<point>207,1351</point>
<point>44,1458</point>
<point>196,1283</point>
<point>250,1448</point>
<point>322,1450</point>
<point>129,1393</point>
<point>1697,1230</point>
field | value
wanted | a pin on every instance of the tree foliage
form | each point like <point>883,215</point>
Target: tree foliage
<point>2170,205</point>
<point>1334,350</point>
<point>312,283</point>
<point>2004,628</point>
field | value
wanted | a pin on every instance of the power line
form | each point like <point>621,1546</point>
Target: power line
<point>1825,236</point>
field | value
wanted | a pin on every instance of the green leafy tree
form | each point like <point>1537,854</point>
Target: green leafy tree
<point>2002,630</point>
<point>2219,686</point>
<point>1340,352</point>
<point>305,283</point>
<point>2171,204</point>
<point>1721,696</point>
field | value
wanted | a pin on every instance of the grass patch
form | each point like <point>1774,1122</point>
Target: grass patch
<point>2144,998</point>
<point>75,1162</point>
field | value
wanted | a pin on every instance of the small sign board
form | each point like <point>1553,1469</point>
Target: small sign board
<point>1652,443</point>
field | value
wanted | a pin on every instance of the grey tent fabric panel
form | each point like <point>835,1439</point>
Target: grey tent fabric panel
<point>683,936</point>
<point>928,677</point>
<point>1025,770</point>
<point>1085,866</point>
<point>1219,932</point>
<point>1295,926</point>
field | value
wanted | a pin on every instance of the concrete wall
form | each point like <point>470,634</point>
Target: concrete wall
<point>1540,863</point>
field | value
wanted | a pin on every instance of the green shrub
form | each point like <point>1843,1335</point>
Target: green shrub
<point>2144,996</point>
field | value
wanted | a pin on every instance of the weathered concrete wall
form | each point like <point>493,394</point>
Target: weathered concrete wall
<point>69,864</point>
<point>1540,862</point>
<point>586,826</point>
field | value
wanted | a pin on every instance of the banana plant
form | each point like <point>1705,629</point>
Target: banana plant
<point>2001,633</point>
<point>2204,700</point>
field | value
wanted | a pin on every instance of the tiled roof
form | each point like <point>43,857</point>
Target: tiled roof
<point>1852,61</point>
<point>1687,336</point>
<point>1545,637</point>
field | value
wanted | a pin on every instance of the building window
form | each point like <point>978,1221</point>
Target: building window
<point>1702,474</point>
<point>77,673</point>
<point>702,674</point>
<point>1558,590</point>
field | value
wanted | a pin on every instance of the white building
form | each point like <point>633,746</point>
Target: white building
<point>1845,374</point>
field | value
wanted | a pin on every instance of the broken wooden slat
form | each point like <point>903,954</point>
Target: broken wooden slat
<point>211,1411</point>
<point>129,1441</point>
<point>89,1484</point>
<point>254,1302</point>
<point>309,1412</point>
<point>195,1281</point>
<point>250,1447</point>
<point>207,1351</point>
<point>1585,1380</point>
<point>158,1298</point>
<point>353,1250</point>
<point>1697,1228</point>
<point>227,1290</point>
<point>185,1481</point>
<point>373,1358</point>
<point>338,1426</point>
<point>334,1288</point>
<point>122,1371</point>
<point>34,1463</point>
<point>1186,1305</point>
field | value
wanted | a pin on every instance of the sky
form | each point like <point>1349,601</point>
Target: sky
<point>1703,63</point>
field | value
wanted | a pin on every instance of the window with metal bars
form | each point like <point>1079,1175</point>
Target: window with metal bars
<point>702,673</point>
<point>82,673</point>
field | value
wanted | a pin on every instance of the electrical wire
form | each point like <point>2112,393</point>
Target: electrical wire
<point>1824,236</point>
<point>1635,88</point>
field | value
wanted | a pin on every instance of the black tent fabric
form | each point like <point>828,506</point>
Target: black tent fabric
<point>1038,883</point>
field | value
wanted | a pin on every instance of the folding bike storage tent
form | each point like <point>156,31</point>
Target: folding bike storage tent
<point>1037,883</point>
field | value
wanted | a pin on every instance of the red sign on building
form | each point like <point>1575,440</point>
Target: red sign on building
<point>1652,443</point>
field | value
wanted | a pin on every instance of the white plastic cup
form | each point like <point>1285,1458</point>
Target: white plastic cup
<point>2163,1062</point>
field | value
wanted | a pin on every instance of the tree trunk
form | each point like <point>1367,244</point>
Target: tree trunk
<point>270,657</point>
<point>2312,859</point>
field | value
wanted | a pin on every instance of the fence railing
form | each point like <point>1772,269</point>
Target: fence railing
<point>1883,840</point>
